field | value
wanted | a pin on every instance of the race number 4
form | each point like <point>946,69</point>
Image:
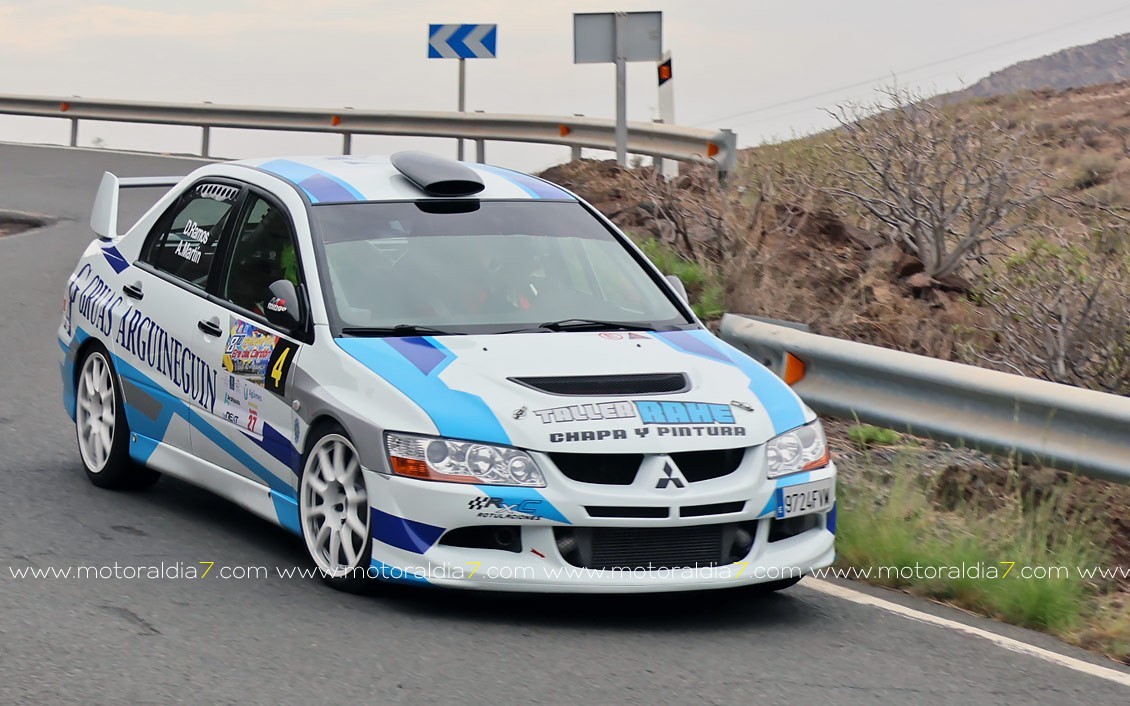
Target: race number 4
<point>278,367</point>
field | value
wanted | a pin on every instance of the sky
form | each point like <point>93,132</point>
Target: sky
<point>764,69</point>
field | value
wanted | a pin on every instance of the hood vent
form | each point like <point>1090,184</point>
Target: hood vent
<point>608,385</point>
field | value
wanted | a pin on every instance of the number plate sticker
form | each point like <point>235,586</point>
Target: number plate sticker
<point>806,498</point>
<point>279,365</point>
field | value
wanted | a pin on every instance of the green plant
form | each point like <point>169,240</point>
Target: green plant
<point>1018,564</point>
<point>865,435</point>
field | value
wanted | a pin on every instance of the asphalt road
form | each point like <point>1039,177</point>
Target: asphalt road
<point>278,640</point>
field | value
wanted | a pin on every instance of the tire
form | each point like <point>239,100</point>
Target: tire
<point>333,511</point>
<point>101,428</point>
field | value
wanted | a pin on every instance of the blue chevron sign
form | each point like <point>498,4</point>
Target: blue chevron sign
<point>462,41</point>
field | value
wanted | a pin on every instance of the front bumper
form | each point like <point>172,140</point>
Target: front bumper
<point>411,519</point>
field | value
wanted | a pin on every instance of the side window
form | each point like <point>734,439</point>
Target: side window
<point>186,246</point>
<point>263,251</point>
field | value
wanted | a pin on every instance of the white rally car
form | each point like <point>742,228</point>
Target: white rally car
<point>439,373</point>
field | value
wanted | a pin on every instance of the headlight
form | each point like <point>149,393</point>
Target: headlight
<point>801,449</point>
<point>431,458</point>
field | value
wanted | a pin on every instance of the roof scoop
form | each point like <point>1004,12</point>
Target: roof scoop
<point>437,176</point>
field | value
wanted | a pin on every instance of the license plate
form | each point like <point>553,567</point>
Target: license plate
<point>805,498</point>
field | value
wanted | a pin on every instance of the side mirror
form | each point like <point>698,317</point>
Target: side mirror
<point>284,309</point>
<point>678,286</point>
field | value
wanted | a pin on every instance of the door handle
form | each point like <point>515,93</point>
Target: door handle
<point>210,327</point>
<point>133,291</point>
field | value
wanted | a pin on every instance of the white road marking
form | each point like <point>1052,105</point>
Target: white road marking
<point>1008,643</point>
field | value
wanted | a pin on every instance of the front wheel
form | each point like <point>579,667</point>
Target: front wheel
<point>101,426</point>
<point>333,510</point>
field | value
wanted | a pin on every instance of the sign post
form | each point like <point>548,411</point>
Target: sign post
<point>462,42</point>
<point>666,77</point>
<point>618,37</point>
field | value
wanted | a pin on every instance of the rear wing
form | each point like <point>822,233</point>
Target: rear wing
<point>104,215</point>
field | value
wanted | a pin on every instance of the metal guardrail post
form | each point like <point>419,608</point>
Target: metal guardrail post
<point>347,143</point>
<point>205,140</point>
<point>480,151</point>
<point>74,132</point>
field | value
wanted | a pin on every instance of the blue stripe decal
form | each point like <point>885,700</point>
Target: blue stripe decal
<point>526,501</point>
<point>456,414</point>
<point>780,402</point>
<point>403,533</point>
<point>278,446</point>
<point>115,259</point>
<point>536,188</point>
<point>320,186</point>
<point>423,354</point>
<point>388,572</point>
<point>688,343</point>
<point>67,370</point>
<point>287,510</point>
<point>832,519</point>
<point>154,429</point>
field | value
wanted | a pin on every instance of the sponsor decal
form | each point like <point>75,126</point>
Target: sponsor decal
<point>97,301</point>
<point>612,336</point>
<point>248,349</point>
<point>258,357</point>
<point>741,405</point>
<point>647,411</point>
<point>276,304</point>
<point>587,412</point>
<point>684,413</point>
<point>520,413</point>
<point>143,338</point>
<point>498,508</point>
<point>598,435</point>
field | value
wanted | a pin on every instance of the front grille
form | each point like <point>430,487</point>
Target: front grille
<point>704,465</point>
<point>608,385</point>
<point>653,548</point>
<point>604,469</point>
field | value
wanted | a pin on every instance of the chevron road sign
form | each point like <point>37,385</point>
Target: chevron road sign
<point>462,41</point>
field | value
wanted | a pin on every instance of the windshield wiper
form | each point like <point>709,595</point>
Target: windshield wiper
<point>398,330</point>
<point>594,325</point>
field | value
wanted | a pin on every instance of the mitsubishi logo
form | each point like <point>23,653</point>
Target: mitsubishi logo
<point>671,476</point>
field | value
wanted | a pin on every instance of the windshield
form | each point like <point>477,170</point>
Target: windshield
<point>481,267</point>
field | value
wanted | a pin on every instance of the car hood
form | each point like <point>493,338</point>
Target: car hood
<point>475,387</point>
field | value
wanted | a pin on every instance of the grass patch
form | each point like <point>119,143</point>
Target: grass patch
<point>972,559</point>
<point>866,436</point>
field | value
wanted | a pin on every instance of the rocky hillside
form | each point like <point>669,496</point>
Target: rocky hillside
<point>1105,61</point>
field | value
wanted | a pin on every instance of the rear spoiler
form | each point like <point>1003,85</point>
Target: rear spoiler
<point>104,215</point>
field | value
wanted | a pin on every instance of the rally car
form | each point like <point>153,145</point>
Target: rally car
<point>439,373</point>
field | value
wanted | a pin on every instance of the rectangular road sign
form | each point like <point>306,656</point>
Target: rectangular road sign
<point>594,37</point>
<point>462,41</point>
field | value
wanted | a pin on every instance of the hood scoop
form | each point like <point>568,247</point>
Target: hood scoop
<point>608,385</point>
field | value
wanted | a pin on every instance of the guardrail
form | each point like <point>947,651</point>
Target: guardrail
<point>1056,425</point>
<point>652,139</point>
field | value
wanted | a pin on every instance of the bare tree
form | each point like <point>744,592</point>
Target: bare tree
<point>941,186</point>
<point>1062,313</point>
